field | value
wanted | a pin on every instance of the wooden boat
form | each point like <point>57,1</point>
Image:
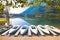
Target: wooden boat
<point>50,29</point>
<point>43,29</point>
<point>2,30</point>
<point>13,29</point>
<point>33,29</point>
<point>23,29</point>
<point>56,30</point>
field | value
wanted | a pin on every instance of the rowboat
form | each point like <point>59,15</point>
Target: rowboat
<point>56,30</point>
<point>52,29</point>
<point>2,30</point>
<point>33,29</point>
<point>14,29</point>
<point>23,29</point>
<point>43,29</point>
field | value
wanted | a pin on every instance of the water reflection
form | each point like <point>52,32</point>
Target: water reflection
<point>42,21</point>
<point>18,21</point>
<point>34,21</point>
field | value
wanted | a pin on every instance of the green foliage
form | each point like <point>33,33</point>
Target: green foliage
<point>21,1</point>
<point>57,7</point>
<point>1,7</point>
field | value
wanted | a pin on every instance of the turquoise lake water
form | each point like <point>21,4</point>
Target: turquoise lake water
<point>36,21</point>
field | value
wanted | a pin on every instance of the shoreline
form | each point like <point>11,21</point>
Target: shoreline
<point>30,38</point>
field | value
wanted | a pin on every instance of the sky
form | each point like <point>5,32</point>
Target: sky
<point>30,0</point>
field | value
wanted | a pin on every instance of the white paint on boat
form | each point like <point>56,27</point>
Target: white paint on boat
<point>47,26</point>
<point>5,33</point>
<point>43,29</point>
<point>33,29</point>
<point>54,29</point>
<point>23,29</point>
<point>29,32</point>
<point>13,29</point>
<point>40,31</point>
<point>16,34</point>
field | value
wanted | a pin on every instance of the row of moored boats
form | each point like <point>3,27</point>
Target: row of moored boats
<point>29,30</point>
